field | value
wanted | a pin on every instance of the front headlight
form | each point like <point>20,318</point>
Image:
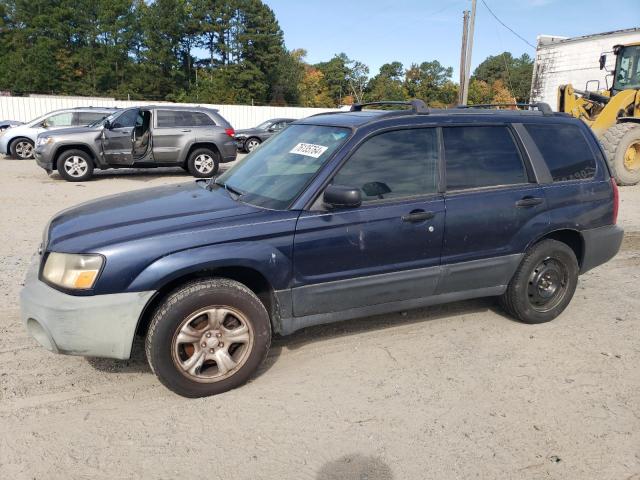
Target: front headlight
<point>43,140</point>
<point>76,272</point>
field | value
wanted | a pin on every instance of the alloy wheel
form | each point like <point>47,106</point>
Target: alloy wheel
<point>252,145</point>
<point>212,344</point>
<point>75,166</point>
<point>24,150</point>
<point>204,164</point>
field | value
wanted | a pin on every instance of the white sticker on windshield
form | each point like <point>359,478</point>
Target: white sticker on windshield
<point>309,149</point>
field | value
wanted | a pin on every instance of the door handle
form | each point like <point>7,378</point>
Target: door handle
<point>529,202</point>
<point>186,130</point>
<point>417,216</point>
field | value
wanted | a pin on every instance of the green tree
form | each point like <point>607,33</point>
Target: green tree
<point>431,82</point>
<point>515,73</point>
<point>388,83</point>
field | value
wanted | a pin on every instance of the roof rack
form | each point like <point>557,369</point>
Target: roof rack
<point>418,106</point>
<point>541,106</point>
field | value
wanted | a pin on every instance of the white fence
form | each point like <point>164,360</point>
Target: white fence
<point>240,116</point>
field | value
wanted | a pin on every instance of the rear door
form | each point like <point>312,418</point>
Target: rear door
<point>386,250</point>
<point>117,140</point>
<point>494,207</point>
<point>172,135</point>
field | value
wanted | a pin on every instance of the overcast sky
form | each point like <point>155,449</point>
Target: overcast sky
<point>380,31</point>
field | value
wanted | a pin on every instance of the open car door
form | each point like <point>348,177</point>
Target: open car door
<point>117,138</point>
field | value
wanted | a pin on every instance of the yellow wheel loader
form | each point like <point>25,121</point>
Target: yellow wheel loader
<point>613,114</point>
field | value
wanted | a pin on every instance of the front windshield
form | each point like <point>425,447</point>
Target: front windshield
<point>38,120</point>
<point>264,125</point>
<point>628,69</point>
<point>274,174</point>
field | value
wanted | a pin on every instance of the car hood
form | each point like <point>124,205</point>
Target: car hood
<point>245,132</point>
<point>140,214</point>
<point>69,131</point>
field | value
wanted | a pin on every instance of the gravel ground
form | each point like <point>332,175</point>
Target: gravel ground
<point>454,391</point>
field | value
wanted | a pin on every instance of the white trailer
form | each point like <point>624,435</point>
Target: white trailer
<point>562,60</point>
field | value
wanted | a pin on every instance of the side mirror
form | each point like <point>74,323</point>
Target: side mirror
<point>603,61</point>
<point>337,196</point>
<point>271,129</point>
<point>44,124</point>
<point>107,125</point>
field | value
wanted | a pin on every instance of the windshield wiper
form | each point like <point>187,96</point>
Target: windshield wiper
<point>229,188</point>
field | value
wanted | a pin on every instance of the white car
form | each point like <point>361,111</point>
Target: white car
<point>18,141</point>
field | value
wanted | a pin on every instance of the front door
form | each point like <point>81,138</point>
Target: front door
<point>117,140</point>
<point>386,250</point>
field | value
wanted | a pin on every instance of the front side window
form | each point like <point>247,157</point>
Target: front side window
<point>395,164</point>
<point>481,157</point>
<point>60,120</point>
<point>273,175</point>
<point>565,151</point>
<point>126,119</point>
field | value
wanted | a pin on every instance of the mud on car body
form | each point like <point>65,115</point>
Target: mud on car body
<point>339,216</point>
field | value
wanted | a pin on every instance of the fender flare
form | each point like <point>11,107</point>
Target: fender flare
<point>262,257</point>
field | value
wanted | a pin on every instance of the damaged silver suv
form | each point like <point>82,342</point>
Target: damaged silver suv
<point>195,138</point>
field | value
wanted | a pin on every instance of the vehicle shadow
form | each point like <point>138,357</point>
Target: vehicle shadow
<point>311,335</point>
<point>355,467</point>
<point>138,362</point>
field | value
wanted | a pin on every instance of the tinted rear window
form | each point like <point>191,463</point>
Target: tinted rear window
<point>481,157</point>
<point>181,118</point>
<point>565,149</point>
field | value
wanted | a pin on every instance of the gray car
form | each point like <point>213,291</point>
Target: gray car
<point>195,138</point>
<point>249,139</point>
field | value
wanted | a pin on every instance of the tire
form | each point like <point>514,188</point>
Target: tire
<point>622,146</point>
<point>209,313</point>
<point>203,163</point>
<point>251,143</point>
<point>543,284</point>
<point>75,166</point>
<point>21,148</point>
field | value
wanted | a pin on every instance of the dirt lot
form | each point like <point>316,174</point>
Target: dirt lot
<point>456,391</point>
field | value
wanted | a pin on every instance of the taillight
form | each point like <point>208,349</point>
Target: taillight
<point>616,200</point>
<point>230,131</point>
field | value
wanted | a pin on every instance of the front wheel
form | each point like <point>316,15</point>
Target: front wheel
<point>543,284</point>
<point>75,166</point>
<point>21,148</point>
<point>203,163</point>
<point>208,337</point>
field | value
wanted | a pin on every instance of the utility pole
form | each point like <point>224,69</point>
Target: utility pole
<point>463,55</point>
<point>467,69</point>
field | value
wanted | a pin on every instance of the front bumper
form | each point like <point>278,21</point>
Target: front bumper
<point>96,325</point>
<point>4,144</point>
<point>42,154</point>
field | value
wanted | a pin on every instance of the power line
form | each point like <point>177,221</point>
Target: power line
<point>506,26</point>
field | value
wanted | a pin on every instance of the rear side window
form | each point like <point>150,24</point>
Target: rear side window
<point>181,118</point>
<point>565,150</point>
<point>395,164</point>
<point>481,157</point>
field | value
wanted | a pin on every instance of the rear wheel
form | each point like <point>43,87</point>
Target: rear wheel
<point>622,145</point>
<point>21,148</point>
<point>543,284</point>
<point>203,163</point>
<point>75,166</point>
<point>208,337</point>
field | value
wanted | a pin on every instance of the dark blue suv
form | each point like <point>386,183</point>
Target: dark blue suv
<point>340,215</point>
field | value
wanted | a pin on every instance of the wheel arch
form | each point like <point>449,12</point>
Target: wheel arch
<point>572,238</point>
<point>250,277</point>
<point>72,146</point>
<point>194,146</point>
